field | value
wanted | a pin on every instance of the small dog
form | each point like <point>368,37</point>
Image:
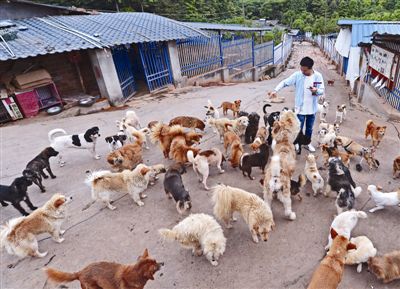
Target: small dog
<point>134,183</point>
<point>252,127</point>
<point>201,233</point>
<point>365,250</point>
<point>188,121</point>
<point>328,126</point>
<point>301,140</point>
<point>313,175</point>
<point>323,110</point>
<point>18,235</point>
<point>259,159</point>
<point>38,164</point>
<point>376,132</point>
<point>85,140</point>
<point>387,267</point>
<point>327,136</point>
<point>328,152</point>
<point>256,213</point>
<point>211,110</point>
<point>344,223</point>
<point>174,188</point>
<point>113,275</point>
<point>16,193</point>
<point>233,141</point>
<point>331,82</point>
<point>203,160</point>
<point>234,106</point>
<point>329,273</point>
<point>116,141</point>
<point>179,148</point>
<point>295,186</point>
<point>131,132</point>
<point>130,119</point>
<point>261,138</point>
<point>382,199</point>
<point>238,125</point>
<point>265,117</point>
<point>396,167</point>
<point>340,113</point>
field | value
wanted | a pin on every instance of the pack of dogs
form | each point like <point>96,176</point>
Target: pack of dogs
<point>273,147</point>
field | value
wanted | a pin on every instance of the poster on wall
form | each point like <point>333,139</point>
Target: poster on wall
<point>381,60</point>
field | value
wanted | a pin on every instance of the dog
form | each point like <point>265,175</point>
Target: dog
<point>386,267</point>
<point>131,133</point>
<point>328,126</point>
<point>328,152</point>
<point>85,140</point>
<point>265,117</point>
<point>130,119</point>
<point>232,141</point>
<point>288,124</point>
<point>295,186</point>
<point>396,167</point>
<point>382,199</point>
<point>238,125</point>
<point>16,193</point>
<point>112,276</point>
<point>376,132</point>
<point>256,213</point>
<point>330,271</point>
<point>179,148</point>
<point>116,141</point>
<point>188,121</point>
<point>203,161</point>
<point>365,250</point>
<point>323,110</point>
<point>259,159</point>
<point>344,223</point>
<point>313,175</point>
<point>36,167</point>
<point>201,233</point>
<point>261,137</point>
<point>301,140</point>
<point>234,106</point>
<point>340,181</point>
<point>134,183</point>
<point>252,127</point>
<point>212,112</point>
<point>331,82</point>
<point>327,136</point>
<point>18,236</point>
<point>340,113</point>
<point>174,188</point>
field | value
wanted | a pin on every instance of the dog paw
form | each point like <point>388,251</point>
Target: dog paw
<point>111,207</point>
<point>46,176</point>
<point>140,204</point>
<point>33,208</point>
<point>359,268</point>
<point>222,171</point>
<point>143,196</point>
<point>41,255</point>
<point>60,240</point>
<point>97,157</point>
<point>62,232</point>
<point>229,226</point>
<point>292,216</point>
<point>255,239</point>
<point>214,263</point>
<point>53,177</point>
<point>207,188</point>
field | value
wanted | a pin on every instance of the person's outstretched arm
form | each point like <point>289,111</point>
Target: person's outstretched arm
<point>291,80</point>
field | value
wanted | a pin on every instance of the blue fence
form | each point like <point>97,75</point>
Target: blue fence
<point>264,54</point>
<point>237,54</point>
<point>123,66</point>
<point>278,53</point>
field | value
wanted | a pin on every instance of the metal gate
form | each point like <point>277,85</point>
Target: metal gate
<point>124,69</point>
<point>156,64</point>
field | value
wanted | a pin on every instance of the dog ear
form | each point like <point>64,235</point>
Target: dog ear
<point>351,246</point>
<point>144,171</point>
<point>145,254</point>
<point>262,182</point>
<point>59,202</point>
<point>333,233</point>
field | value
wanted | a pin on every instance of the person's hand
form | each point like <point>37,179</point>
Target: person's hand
<point>314,90</point>
<point>272,94</point>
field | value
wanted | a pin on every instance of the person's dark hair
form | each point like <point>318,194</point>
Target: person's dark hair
<point>307,61</point>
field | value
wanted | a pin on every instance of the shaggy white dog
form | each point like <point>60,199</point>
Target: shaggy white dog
<point>237,125</point>
<point>365,250</point>
<point>382,199</point>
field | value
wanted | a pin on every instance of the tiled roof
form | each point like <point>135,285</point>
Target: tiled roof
<point>225,27</point>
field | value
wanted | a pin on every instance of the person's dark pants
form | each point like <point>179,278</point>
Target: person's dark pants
<point>308,119</point>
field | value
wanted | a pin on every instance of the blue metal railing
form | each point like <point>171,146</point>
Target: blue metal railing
<point>124,70</point>
<point>237,54</point>
<point>264,54</point>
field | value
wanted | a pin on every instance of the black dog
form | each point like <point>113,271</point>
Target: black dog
<point>295,186</point>
<point>16,193</point>
<point>242,113</point>
<point>266,114</point>
<point>301,140</point>
<point>35,168</point>
<point>174,188</point>
<point>251,129</point>
<point>116,141</point>
<point>259,159</point>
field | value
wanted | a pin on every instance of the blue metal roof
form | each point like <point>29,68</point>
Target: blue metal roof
<point>225,27</point>
<point>352,21</point>
<point>362,33</point>
<point>47,35</point>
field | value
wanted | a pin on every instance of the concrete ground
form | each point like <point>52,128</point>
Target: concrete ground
<point>287,260</point>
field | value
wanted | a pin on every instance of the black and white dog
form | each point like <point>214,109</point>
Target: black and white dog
<point>174,188</point>
<point>259,159</point>
<point>116,141</point>
<point>301,140</point>
<point>252,127</point>
<point>269,120</point>
<point>340,181</point>
<point>85,140</point>
<point>16,193</point>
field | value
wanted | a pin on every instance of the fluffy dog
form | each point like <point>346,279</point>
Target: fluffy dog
<point>340,113</point>
<point>376,132</point>
<point>130,119</point>
<point>203,161</point>
<point>328,152</point>
<point>329,273</point>
<point>111,275</point>
<point>134,183</point>
<point>328,126</point>
<point>344,223</point>
<point>256,213</point>
<point>188,121</point>
<point>259,159</point>
<point>85,140</point>
<point>236,125</point>
<point>386,267</point>
<point>288,124</point>
<point>396,167</point>
<point>252,128</point>
<point>232,141</point>
<point>131,132</point>
<point>201,233</point>
<point>16,193</point>
<point>37,166</point>
<point>18,236</point>
<point>261,138</point>
<point>382,199</point>
<point>365,250</point>
<point>327,136</point>
<point>323,110</point>
<point>234,106</point>
<point>313,175</point>
<point>179,148</point>
<point>174,188</point>
<point>116,141</point>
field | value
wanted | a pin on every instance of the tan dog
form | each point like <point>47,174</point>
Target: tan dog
<point>387,267</point>
<point>376,132</point>
<point>261,137</point>
<point>111,275</point>
<point>396,167</point>
<point>365,250</point>
<point>188,121</point>
<point>256,213</point>
<point>238,125</point>
<point>18,236</point>
<point>234,106</point>
<point>179,147</point>
<point>232,141</point>
<point>328,152</point>
<point>329,273</point>
<point>313,174</point>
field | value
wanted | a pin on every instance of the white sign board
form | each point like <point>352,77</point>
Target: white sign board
<point>381,60</point>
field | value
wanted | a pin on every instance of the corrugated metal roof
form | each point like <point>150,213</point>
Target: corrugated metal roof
<point>56,34</point>
<point>352,21</point>
<point>362,33</point>
<point>225,27</point>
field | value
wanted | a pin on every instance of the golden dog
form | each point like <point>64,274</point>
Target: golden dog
<point>376,132</point>
<point>233,141</point>
<point>387,267</point>
<point>234,106</point>
<point>188,121</point>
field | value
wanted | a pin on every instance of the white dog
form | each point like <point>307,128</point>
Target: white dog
<point>341,113</point>
<point>201,233</point>
<point>327,136</point>
<point>323,110</point>
<point>344,223</point>
<point>203,160</point>
<point>130,132</point>
<point>85,140</point>
<point>382,199</point>
<point>132,119</point>
<point>313,174</point>
<point>238,125</point>
<point>365,250</point>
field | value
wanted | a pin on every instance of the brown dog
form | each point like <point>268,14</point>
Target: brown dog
<point>396,167</point>
<point>111,275</point>
<point>179,145</point>
<point>234,106</point>
<point>261,137</point>
<point>376,132</point>
<point>329,273</point>
<point>233,141</point>
<point>328,152</point>
<point>387,267</point>
<point>188,121</point>
<point>331,82</point>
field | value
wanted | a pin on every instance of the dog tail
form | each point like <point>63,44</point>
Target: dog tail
<point>222,199</point>
<point>357,191</point>
<point>190,156</point>
<point>59,276</point>
<point>361,214</point>
<point>156,132</point>
<point>302,180</point>
<point>140,136</point>
<point>241,160</point>
<point>265,108</point>
<point>369,122</point>
<point>167,234</point>
<point>6,229</point>
<point>53,132</point>
<point>176,130</point>
<point>93,177</point>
